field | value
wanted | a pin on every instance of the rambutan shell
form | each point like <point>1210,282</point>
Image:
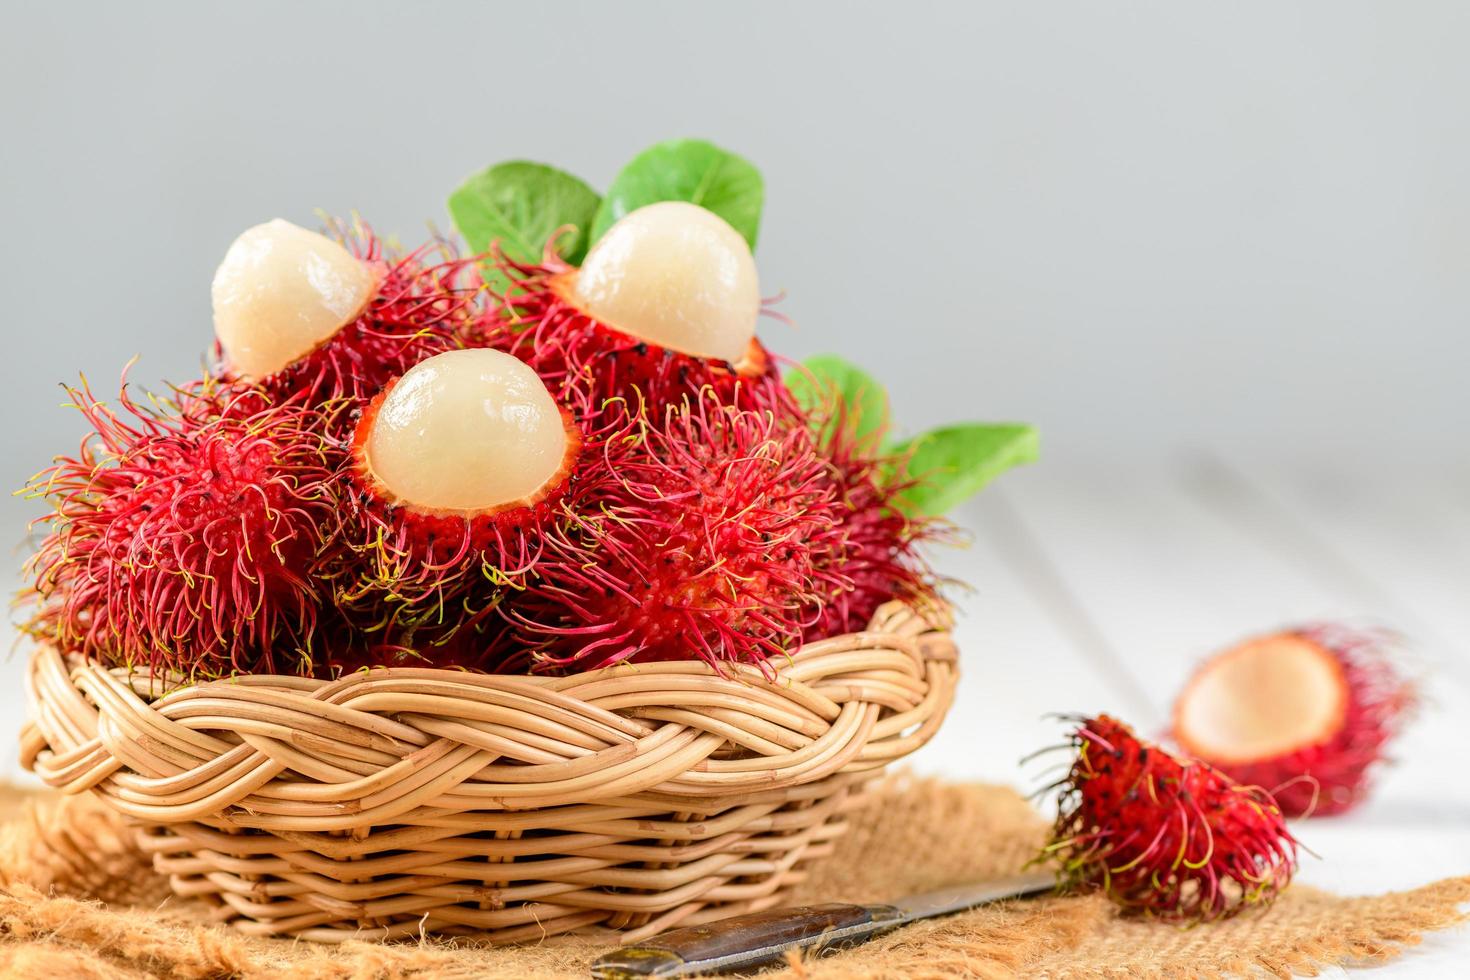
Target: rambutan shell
<point>700,537</point>
<point>1162,835</point>
<point>420,305</point>
<point>881,553</point>
<point>420,565</point>
<point>589,364</point>
<point>477,642</point>
<point>1307,712</point>
<point>187,542</point>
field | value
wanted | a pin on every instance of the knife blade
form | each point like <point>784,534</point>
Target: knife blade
<point>748,941</point>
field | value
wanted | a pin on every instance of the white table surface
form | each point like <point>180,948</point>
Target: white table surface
<point>1099,590</point>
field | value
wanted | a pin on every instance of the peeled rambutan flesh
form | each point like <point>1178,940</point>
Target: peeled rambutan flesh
<point>329,323</point>
<point>710,536</point>
<point>675,275</point>
<point>1163,835</point>
<point>1306,712</point>
<point>185,544</point>
<point>281,292</point>
<point>456,467</point>
<point>664,306</point>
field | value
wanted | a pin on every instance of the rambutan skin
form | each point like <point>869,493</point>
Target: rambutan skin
<point>589,365</point>
<point>424,301</point>
<point>880,556</point>
<point>439,538</point>
<point>186,543</point>
<point>417,571</point>
<point>480,642</point>
<point>711,532</point>
<point>1335,774</point>
<point>1164,836</point>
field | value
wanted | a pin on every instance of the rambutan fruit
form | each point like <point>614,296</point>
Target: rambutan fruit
<point>1306,712</point>
<point>879,557</point>
<point>455,468</point>
<point>481,643</point>
<point>710,538</point>
<point>663,308</point>
<point>185,544</point>
<point>1162,835</point>
<point>302,316</point>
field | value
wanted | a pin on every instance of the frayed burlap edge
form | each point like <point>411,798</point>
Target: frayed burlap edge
<point>78,900</point>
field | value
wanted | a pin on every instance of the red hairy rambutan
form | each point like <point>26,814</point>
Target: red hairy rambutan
<point>710,537</point>
<point>648,317</point>
<point>329,322</point>
<point>1306,712</point>
<point>1162,835</point>
<point>185,543</point>
<point>879,557</point>
<point>478,642</point>
<point>455,469</point>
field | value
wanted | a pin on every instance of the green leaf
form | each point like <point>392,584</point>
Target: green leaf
<point>952,463</point>
<point>521,204</point>
<point>687,170</point>
<point>820,381</point>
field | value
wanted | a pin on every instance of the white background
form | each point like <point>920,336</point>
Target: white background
<point>1216,251</point>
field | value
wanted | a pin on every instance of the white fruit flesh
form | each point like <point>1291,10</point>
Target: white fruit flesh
<point>675,275</point>
<point>1263,699</point>
<point>281,292</point>
<point>468,431</point>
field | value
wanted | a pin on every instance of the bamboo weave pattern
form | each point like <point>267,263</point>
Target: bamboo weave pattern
<point>405,800</point>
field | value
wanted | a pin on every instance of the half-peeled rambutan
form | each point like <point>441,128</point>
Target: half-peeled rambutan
<point>713,535</point>
<point>186,544</point>
<point>1306,712</point>
<point>455,469</point>
<point>1165,836</point>
<point>329,322</point>
<point>663,308</point>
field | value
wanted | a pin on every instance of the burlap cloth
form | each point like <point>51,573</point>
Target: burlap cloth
<point>77,901</point>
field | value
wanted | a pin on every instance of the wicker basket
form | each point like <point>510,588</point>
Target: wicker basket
<point>400,801</point>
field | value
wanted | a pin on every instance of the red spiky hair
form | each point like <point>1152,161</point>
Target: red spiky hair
<point>879,557</point>
<point>1325,768</point>
<point>1162,835</point>
<point>588,364</point>
<point>707,537</point>
<point>424,300</point>
<point>185,543</point>
<point>479,641</point>
<point>423,569</point>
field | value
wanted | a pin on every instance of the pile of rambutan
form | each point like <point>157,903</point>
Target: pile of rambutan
<point>561,448</point>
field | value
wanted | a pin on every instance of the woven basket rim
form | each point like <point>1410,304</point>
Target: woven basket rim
<point>109,729</point>
<point>936,616</point>
<point>409,799</point>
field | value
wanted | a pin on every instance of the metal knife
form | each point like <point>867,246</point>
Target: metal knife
<point>745,942</point>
